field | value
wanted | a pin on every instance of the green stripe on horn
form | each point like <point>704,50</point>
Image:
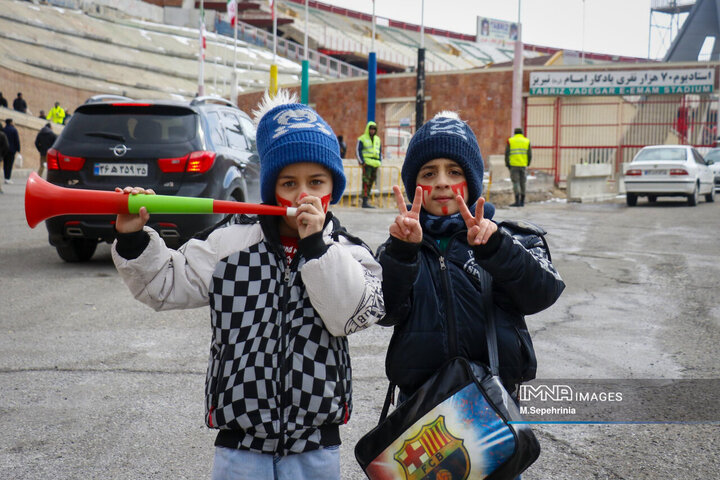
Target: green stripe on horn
<point>169,204</point>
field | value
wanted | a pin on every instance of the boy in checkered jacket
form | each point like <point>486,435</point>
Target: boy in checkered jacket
<point>284,293</point>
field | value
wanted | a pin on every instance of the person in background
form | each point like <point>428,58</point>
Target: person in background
<point>56,114</point>
<point>518,155</point>
<point>43,141</point>
<point>3,101</point>
<point>4,147</point>
<point>284,293</point>
<point>14,144</point>
<point>343,146</point>
<point>42,115</point>
<point>369,156</point>
<point>19,103</point>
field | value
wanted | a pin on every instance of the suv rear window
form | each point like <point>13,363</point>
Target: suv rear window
<point>145,125</point>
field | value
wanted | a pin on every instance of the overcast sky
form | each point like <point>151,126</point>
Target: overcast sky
<point>619,27</point>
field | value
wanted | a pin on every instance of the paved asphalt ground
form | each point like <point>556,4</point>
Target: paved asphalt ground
<point>94,385</point>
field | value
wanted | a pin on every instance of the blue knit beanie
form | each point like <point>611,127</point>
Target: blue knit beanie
<point>294,133</point>
<point>445,136</point>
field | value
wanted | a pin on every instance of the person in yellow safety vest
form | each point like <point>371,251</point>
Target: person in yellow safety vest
<point>518,155</point>
<point>57,114</point>
<point>369,156</point>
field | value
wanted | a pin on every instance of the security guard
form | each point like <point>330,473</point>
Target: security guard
<point>369,155</point>
<point>518,156</point>
<point>57,114</point>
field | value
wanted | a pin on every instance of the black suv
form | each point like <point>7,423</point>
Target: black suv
<point>203,148</point>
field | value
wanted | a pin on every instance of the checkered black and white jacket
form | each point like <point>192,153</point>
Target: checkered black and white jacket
<point>279,377</point>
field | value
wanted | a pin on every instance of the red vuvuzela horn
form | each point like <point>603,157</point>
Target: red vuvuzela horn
<point>44,200</point>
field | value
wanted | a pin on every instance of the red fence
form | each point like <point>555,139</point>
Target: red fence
<point>569,130</point>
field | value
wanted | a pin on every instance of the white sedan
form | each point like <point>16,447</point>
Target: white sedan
<point>666,171</point>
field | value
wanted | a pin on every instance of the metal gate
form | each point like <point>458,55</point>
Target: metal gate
<point>569,130</point>
<point>398,130</point>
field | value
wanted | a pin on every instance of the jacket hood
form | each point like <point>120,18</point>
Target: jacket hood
<point>367,128</point>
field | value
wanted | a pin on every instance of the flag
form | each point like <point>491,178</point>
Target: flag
<point>204,44</point>
<point>272,9</point>
<point>232,11</point>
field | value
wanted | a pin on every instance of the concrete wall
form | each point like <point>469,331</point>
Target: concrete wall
<point>589,183</point>
<point>41,94</point>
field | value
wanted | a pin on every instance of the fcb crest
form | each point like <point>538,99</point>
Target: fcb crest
<point>434,453</point>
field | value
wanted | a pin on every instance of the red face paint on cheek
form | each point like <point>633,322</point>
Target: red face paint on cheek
<point>459,189</point>
<point>426,191</point>
<point>325,202</point>
<point>283,202</point>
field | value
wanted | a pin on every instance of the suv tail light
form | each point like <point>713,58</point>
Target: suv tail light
<point>194,162</point>
<point>58,161</point>
<point>201,162</point>
<point>678,171</point>
<point>52,161</point>
<point>173,165</point>
<point>633,171</point>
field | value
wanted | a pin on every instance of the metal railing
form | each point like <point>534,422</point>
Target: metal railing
<point>381,194</point>
<point>323,64</point>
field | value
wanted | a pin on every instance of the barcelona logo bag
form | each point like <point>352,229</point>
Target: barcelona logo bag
<point>459,425</point>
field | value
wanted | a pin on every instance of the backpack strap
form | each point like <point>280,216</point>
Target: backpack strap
<point>232,218</point>
<point>490,332</point>
<point>527,234</point>
<point>389,398</point>
<point>339,230</point>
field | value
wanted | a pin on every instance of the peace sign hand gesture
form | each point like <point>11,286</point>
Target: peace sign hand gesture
<point>479,228</point>
<point>407,226</point>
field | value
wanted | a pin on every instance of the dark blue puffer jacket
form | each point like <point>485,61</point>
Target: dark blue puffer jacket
<point>435,302</point>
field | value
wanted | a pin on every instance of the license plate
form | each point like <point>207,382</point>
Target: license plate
<point>655,172</point>
<point>121,169</point>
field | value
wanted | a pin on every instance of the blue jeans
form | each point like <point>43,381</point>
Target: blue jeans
<point>322,464</point>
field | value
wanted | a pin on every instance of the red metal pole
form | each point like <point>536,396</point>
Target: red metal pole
<point>556,161</point>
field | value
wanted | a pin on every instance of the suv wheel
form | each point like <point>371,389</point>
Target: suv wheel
<point>77,250</point>
<point>631,199</point>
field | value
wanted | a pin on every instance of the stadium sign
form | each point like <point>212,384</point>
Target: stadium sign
<point>631,82</point>
<point>496,31</point>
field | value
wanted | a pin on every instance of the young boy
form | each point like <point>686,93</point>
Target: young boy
<point>284,292</point>
<point>436,260</point>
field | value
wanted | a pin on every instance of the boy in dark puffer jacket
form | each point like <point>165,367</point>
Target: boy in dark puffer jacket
<point>443,251</point>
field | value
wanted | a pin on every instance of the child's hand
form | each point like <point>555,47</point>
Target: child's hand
<point>479,227</point>
<point>310,216</point>
<point>407,226</point>
<point>128,222</point>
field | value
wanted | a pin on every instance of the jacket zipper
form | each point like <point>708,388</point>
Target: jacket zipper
<point>217,390</point>
<point>452,331</point>
<point>284,347</point>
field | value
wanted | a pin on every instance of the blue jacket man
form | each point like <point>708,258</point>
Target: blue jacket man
<point>14,147</point>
